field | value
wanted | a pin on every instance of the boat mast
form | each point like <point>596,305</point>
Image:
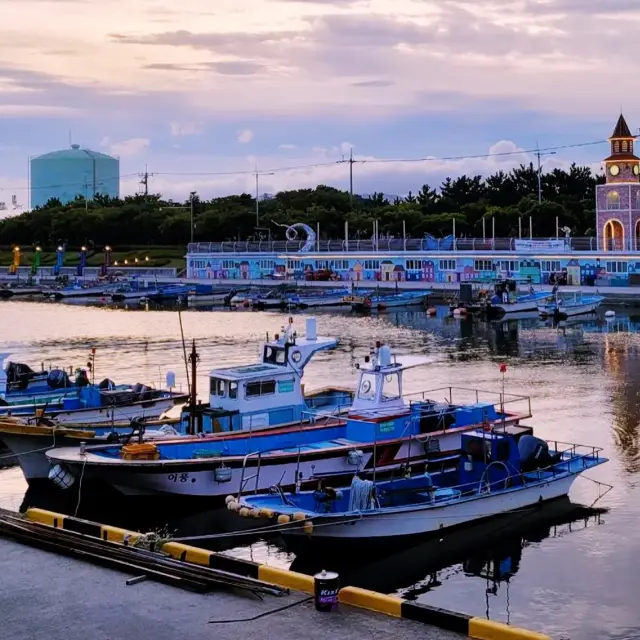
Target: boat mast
<point>193,359</point>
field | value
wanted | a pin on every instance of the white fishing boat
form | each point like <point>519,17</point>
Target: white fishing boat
<point>494,473</point>
<point>78,290</point>
<point>383,301</point>
<point>381,425</point>
<point>568,304</point>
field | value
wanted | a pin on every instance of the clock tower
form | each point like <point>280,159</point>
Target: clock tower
<point>622,165</point>
<point>618,201</point>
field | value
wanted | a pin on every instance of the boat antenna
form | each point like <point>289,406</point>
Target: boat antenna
<point>184,352</point>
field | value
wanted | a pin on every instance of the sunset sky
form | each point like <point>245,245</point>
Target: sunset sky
<point>220,86</point>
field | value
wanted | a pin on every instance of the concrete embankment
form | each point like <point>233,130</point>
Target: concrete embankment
<point>40,584</point>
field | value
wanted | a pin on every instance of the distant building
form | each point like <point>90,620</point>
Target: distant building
<point>618,201</point>
<point>73,172</point>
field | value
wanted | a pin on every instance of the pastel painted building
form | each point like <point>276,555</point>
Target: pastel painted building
<point>611,258</point>
<point>618,201</point>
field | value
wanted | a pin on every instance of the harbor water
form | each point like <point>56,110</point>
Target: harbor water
<point>569,572</point>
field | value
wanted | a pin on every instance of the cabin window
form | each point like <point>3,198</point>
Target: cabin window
<point>263,388</point>
<point>233,390</point>
<point>367,390</point>
<point>275,355</point>
<point>391,387</point>
<point>217,387</point>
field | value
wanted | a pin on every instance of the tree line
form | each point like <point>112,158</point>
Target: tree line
<point>151,220</point>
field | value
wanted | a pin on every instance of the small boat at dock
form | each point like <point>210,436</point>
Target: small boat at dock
<point>566,305</point>
<point>493,474</point>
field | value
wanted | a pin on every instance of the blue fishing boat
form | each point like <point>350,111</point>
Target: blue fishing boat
<point>321,298</point>
<point>565,305</point>
<point>383,428</point>
<point>506,300</point>
<point>494,473</point>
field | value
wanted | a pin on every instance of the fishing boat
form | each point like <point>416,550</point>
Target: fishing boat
<point>78,290</point>
<point>95,403</point>
<point>506,300</point>
<point>382,301</point>
<point>319,298</point>
<point>20,379</point>
<point>19,291</point>
<point>493,474</point>
<point>167,293</point>
<point>282,362</point>
<point>28,438</point>
<point>382,426</point>
<point>567,304</point>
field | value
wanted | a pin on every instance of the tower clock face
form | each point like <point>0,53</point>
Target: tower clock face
<point>614,169</point>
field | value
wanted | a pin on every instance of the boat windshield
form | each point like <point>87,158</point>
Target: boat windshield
<point>274,355</point>
<point>391,387</point>
<point>367,389</point>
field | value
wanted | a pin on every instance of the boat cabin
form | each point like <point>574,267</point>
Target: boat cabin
<point>268,393</point>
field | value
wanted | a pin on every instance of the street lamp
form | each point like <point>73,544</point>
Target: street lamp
<point>192,196</point>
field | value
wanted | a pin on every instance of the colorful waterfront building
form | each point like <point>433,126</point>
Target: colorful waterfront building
<point>618,201</point>
<point>609,259</point>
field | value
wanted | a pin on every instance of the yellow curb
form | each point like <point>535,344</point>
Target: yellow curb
<point>371,600</point>
<point>489,630</point>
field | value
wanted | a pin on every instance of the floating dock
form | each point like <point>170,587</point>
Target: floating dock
<point>47,593</point>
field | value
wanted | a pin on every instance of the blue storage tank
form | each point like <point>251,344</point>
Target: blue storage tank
<point>73,172</point>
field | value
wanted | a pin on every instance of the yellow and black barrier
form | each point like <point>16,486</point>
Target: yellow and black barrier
<point>473,627</point>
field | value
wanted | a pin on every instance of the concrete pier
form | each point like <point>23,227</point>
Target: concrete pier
<point>46,596</point>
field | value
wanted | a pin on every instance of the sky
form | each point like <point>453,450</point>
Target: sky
<point>202,93</point>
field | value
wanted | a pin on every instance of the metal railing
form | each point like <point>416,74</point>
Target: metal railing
<point>433,245</point>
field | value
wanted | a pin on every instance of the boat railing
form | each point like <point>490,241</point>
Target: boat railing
<point>460,396</point>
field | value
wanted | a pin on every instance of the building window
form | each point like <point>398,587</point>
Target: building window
<point>266,265</point>
<point>550,266</point>
<point>508,265</point>
<point>228,264</point>
<point>613,201</point>
<point>482,265</point>
<point>624,146</point>
<point>413,265</point>
<point>638,200</point>
<point>616,147</point>
<point>292,265</point>
<point>447,265</point>
<point>340,265</point>
<point>371,265</point>
<point>616,267</point>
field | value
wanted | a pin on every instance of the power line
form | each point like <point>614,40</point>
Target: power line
<point>351,161</point>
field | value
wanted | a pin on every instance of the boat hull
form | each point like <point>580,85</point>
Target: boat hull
<point>381,527</point>
<point>197,478</point>
<point>567,311</point>
<point>149,409</point>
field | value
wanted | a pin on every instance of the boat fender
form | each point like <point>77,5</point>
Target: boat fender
<point>355,457</point>
<point>308,527</point>
<point>222,474</point>
<point>266,513</point>
<point>244,512</point>
<point>61,476</point>
<point>298,517</point>
<point>255,513</point>
<point>431,311</point>
<point>283,519</point>
<point>229,499</point>
<point>233,506</point>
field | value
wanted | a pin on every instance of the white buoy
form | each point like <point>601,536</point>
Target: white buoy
<point>610,313</point>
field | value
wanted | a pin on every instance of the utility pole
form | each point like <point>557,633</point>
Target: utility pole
<point>192,196</point>
<point>539,154</point>
<point>351,179</point>
<point>144,181</point>
<point>257,174</point>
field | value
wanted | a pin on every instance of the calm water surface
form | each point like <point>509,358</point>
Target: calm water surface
<point>574,575</point>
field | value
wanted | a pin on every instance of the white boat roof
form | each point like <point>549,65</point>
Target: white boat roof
<point>244,371</point>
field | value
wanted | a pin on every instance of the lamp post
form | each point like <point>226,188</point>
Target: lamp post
<point>190,208</point>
